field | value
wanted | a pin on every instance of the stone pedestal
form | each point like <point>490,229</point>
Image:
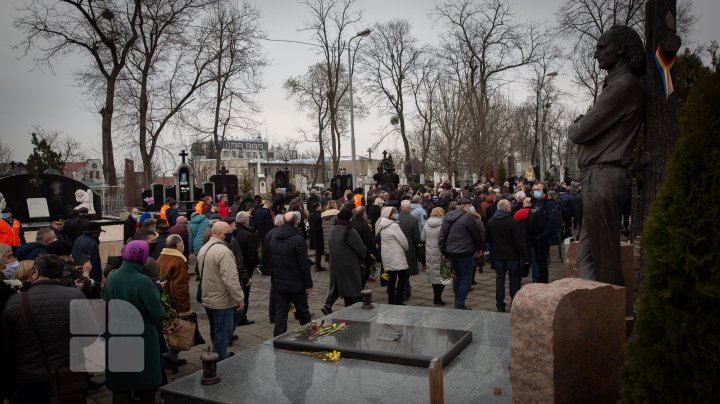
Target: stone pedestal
<point>566,342</point>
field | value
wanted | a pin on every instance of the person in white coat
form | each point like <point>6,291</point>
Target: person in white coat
<point>393,250</point>
<point>433,258</point>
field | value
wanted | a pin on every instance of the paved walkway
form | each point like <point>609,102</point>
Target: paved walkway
<point>481,297</point>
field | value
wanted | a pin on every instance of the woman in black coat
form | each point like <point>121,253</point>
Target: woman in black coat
<point>316,234</point>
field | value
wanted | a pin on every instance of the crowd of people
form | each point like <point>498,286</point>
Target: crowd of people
<point>384,235</point>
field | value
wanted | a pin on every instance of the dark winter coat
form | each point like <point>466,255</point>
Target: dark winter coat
<point>30,251</point>
<point>507,238</point>
<point>290,262</point>
<point>366,235</point>
<point>316,231</point>
<point>129,284</point>
<point>347,251</point>
<point>262,221</point>
<point>75,226</point>
<point>247,239</point>
<point>373,213</point>
<point>50,307</point>
<point>411,229</point>
<point>129,228</point>
<point>171,214</point>
<point>459,236</point>
<point>542,222</point>
<point>87,244</point>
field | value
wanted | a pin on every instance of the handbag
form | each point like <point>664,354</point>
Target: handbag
<point>198,338</point>
<point>182,336</point>
<point>66,386</point>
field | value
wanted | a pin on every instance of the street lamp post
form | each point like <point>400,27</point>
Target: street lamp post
<point>360,34</point>
<point>542,142</point>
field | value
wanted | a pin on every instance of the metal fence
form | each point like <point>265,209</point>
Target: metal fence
<point>113,200</point>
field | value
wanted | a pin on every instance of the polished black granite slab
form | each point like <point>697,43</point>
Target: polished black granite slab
<point>270,375</point>
<point>389,343</point>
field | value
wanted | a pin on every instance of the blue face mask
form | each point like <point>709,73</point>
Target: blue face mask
<point>537,194</point>
<point>472,209</point>
<point>397,216</point>
<point>6,216</point>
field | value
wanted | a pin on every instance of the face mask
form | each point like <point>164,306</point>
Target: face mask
<point>6,216</point>
<point>228,237</point>
<point>537,194</point>
<point>397,216</point>
<point>472,209</point>
<point>136,217</point>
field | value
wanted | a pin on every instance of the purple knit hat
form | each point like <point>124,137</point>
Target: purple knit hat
<point>136,251</point>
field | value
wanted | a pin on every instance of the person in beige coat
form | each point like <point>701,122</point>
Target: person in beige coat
<point>220,287</point>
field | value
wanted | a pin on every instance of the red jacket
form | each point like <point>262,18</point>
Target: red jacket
<point>522,214</point>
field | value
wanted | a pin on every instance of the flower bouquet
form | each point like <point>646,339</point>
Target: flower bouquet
<point>330,329</point>
<point>325,356</point>
<point>446,272</point>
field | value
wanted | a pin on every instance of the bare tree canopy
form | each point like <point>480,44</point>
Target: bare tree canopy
<point>388,62</point>
<point>104,31</point>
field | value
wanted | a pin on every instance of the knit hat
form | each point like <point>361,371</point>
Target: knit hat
<point>136,251</point>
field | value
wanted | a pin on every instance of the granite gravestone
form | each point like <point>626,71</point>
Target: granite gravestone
<point>57,190</point>
<point>208,188</point>
<point>184,185</point>
<point>340,183</point>
<point>225,184</point>
<point>158,194</point>
<point>386,175</point>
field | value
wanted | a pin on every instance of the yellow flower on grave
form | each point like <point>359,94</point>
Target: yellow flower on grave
<point>333,356</point>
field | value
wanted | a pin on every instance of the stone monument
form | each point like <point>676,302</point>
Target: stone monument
<point>567,342</point>
<point>184,183</point>
<point>386,176</point>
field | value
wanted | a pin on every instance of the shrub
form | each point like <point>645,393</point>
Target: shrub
<point>674,355</point>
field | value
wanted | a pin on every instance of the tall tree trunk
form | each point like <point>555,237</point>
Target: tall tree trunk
<point>107,148</point>
<point>660,113</point>
<point>142,112</point>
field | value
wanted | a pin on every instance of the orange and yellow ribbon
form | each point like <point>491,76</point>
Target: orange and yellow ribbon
<point>664,66</point>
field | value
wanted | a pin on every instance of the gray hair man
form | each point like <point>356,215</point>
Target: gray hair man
<point>507,238</point>
<point>221,293</point>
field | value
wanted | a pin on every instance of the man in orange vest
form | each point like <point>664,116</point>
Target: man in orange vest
<point>11,231</point>
<point>204,199</point>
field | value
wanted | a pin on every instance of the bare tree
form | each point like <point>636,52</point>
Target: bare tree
<point>167,65</point>
<point>103,30</point>
<point>487,45</point>
<point>424,84</point>
<point>388,62</point>
<point>234,36</point>
<point>310,92</point>
<point>330,22</point>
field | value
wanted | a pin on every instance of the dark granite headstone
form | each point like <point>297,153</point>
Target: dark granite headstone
<point>170,192</point>
<point>58,190</point>
<point>227,185</point>
<point>340,183</point>
<point>158,193</point>
<point>401,344</point>
<point>208,188</point>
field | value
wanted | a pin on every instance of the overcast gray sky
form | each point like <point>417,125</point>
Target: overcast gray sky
<point>53,100</point>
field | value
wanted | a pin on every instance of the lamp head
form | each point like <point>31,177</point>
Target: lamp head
<point>364,32</point>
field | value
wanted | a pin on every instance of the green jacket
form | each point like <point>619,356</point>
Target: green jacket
<point>129,284</point>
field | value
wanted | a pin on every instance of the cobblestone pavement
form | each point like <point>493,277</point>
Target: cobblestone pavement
<point>481,297</point>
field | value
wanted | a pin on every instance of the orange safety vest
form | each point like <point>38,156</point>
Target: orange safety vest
<point>10,235</point>
<point>358,200</point>
<point>162,212</point>
<point>198,207</point>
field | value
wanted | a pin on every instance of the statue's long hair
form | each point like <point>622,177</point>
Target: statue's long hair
<point>634,51</point>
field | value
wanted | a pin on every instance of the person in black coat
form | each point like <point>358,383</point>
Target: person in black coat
<point>262,219</point>
<point>509,251</point>
<point>88,245</point>
<point>171,213</point>
<point>542,228</point>
<point>316,234</point>
<point>247,239</point>
<point>291,276</point>
<point>76,224</point>
<point>359,223</point>
<point>130,225</point>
